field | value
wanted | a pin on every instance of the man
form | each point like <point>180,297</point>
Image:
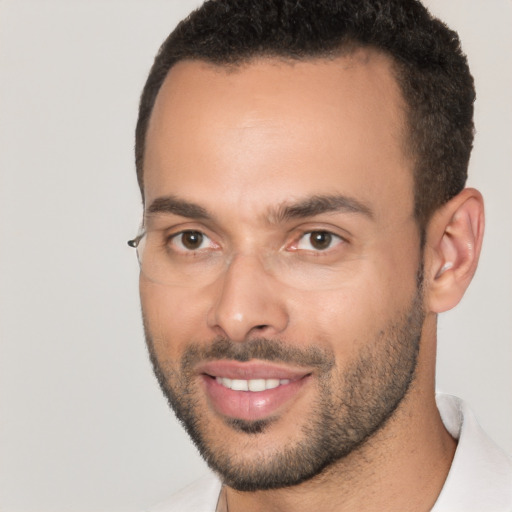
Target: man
<point>302,166</point>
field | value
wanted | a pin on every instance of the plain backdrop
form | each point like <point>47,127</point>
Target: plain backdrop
<point>83,426</point>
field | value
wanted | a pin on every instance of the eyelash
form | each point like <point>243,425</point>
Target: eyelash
<point>331,240</point>
<point>175,237</point>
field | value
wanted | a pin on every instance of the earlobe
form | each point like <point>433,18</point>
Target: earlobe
<point>454,240</point>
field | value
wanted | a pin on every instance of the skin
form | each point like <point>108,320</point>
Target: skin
<point>269,133</point>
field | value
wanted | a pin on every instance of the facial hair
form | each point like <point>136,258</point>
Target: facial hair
<point>352,403</point>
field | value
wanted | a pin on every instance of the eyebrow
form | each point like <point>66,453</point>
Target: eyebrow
<point>309,207</point>
<point>319,204</point>
<point>173,205</point>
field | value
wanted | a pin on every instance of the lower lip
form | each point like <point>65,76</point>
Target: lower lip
<point>251,405</point>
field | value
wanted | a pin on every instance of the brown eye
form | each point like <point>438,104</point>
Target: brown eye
<point>192,240</point>
<point>320,240</point>
<point>189,240</point>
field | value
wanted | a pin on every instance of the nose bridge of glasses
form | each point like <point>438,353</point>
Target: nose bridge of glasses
<point>253,259</point>
<point>279,267</point>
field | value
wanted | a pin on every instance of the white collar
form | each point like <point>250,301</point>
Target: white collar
<point>480,478</point>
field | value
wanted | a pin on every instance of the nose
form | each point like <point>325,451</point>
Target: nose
<point>249,302</point>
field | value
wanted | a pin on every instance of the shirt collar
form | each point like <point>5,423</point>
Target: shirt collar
<point>480,477</point>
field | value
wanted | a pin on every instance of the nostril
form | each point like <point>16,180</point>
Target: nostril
<point>260,327</point>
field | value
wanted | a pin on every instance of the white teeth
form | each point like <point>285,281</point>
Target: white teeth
<point>272,383</point>
<point>256,385</point>
<point>225,382</point>
<point>239,385</point>
<point>252,384</point>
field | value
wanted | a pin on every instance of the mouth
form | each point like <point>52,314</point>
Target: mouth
<point>253,390</point>
<point>253,385</point>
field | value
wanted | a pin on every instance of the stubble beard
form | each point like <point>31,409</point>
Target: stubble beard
<point>351,405</point>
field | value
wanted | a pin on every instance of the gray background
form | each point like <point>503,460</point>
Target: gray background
<point>83,426</point>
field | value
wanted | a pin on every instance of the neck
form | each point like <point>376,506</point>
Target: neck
<point>402,467</point>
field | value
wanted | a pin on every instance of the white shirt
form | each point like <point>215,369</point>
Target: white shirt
<point>479,480</point>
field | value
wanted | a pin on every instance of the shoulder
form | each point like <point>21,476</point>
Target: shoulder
<point>200,496</point>
<point>481,474</point>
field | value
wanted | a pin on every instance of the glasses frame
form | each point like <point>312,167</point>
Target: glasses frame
<point>134,242</point>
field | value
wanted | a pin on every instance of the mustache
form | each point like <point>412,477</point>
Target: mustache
<point>257,348</point>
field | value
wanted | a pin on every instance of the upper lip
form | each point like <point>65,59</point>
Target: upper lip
<point>250,370</point>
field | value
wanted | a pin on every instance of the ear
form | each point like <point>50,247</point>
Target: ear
<point>453,242</point>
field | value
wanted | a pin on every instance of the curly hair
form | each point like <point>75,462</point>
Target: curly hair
<point>429,65</point>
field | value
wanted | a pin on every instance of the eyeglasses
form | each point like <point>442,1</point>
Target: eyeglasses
<point>190,258</point>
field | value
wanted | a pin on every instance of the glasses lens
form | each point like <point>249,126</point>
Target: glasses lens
<point>190,265</point>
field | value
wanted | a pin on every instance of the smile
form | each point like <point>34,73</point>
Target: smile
<point>253,385</point>
<point>252,390</point>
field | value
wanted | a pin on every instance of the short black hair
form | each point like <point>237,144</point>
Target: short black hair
<point>429,65</point>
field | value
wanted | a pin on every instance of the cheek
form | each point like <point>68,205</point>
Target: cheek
<point>355,313</point>
<point>337,320</point>
<point>173,317</point>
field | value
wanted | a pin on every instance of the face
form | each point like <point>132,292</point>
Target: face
<point>285,318</point>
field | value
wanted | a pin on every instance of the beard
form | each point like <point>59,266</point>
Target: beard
<point>352,403</point>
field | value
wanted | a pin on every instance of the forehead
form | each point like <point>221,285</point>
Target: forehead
<point>271,125</point>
